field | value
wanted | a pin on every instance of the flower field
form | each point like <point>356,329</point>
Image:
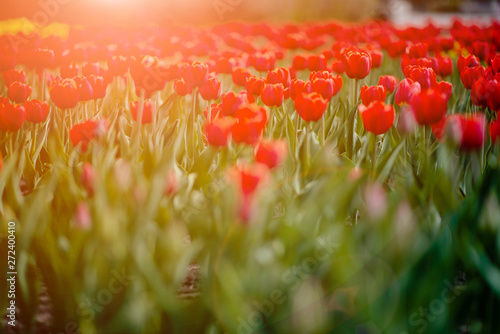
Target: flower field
<point>252,178</point>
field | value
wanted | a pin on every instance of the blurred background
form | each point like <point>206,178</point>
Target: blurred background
<point>140,12</point>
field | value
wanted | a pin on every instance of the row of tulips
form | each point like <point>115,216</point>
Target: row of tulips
<point>256,137</point>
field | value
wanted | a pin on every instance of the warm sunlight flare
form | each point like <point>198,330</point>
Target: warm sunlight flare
<point>266,167</point>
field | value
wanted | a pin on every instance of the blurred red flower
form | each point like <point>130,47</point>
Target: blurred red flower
<point>377,117</point>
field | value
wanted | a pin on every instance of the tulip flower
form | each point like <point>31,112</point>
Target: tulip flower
<point>357,64</point>
<point>64,93</point>
<point>479,92</point>
<point>425,76</point>
<point>317,62</point>
<point>300,62</point>
<point>211,89</point>
<point>418,50</point>
<point>42,58</point>
<point>217,132</point>
<point>493,95</point>
<point>148,111</point>
<point>19,92</point>
<point>495,131</point>
<point>466,62</point>
<point>445,88</point>
<point>470,75</point>
<point>255,85</point>
<point>182,88</point>
<point>299,87</point>
<point>469,132</point>
<point>195,74</point>
<point>240,76</point>
<point>232,102</point>
<point>98,86</point>
<point>389,82</point>
<point>251,121</point>
<point>430,106</point>
<point>36,111</point>
<point>272,95</point>
<point>12,75</point>
<point>406,90</point>
<point>310,107</point>
<point>262,62</point>
<point>445,66</point>
<point>85,90</point>
<point>84,133</point>
<point>280,75</point>
<point>372,93</point>
<point>495,64</point>
<point>271,153</point>
<point>11,117</point>
<point>377,117</point>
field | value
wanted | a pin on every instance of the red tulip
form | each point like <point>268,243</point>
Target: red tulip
<point>300,62</point>
<point>376,58</point>
<point>98,86</point>
<point>317,62</point>
<point>248,179</point>
<point>406,90</point>
<point>418,50</point>
<point>182,88</point>
<point>64,93</point>
<point>271,153</point>
<point>232,102</point>
<point>372,93</point>
<point>280,75</point>
<point>445,88</point>
<point>36,111</point>
<point>12,75</point>
<point>430,106</point>
<point>495,64</point>
<point>19,92</point>
<point>299,87</point>
<point>494,95</point>
<point>465,62</point>
<point>389,82</point>
<point>148,111</point>
<point>480,92</point>
<point>469,132</point>
<point>377,117</point>
<point>252,120</point>
<point>262,62</point>
<point>480,49</point>
<point>84,133</point>
<point>11,116</point>
<point>338,67</point>
<point>357,64</point>
<point>310,107</point>
<point>240,76</point>
<point>272,95</point>
<point>211,89</point>
<point>470,75</point>
<point>255,85</point>
<point>195,74</point>
<point>425,76</point>
<point>218,131</point>
<point>445,66</point>
<point>495,131</point>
